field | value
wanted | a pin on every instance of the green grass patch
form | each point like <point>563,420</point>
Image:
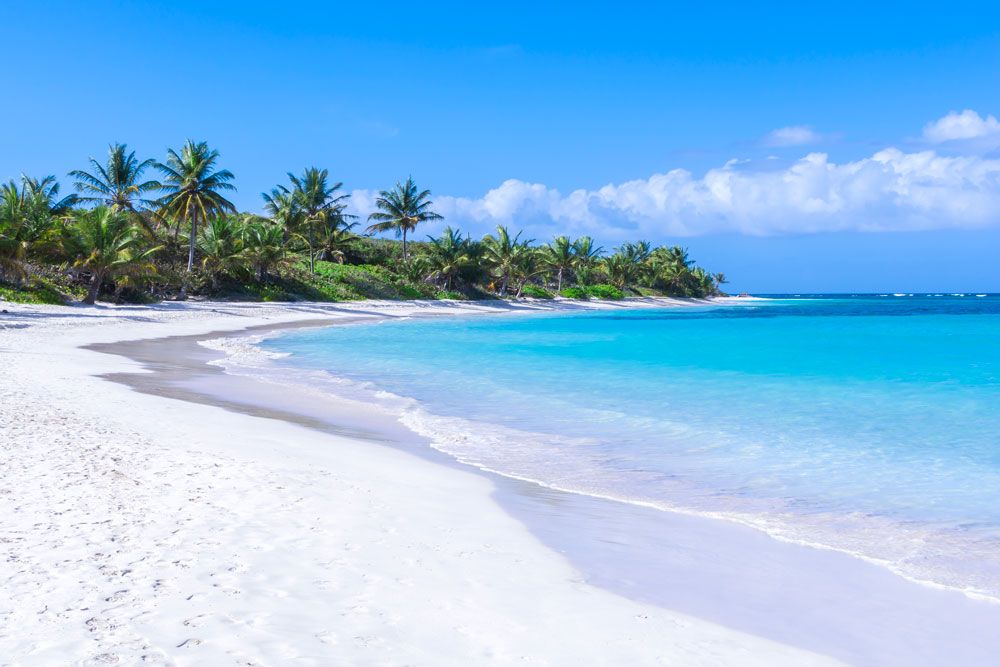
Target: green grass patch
<point>574,293</point>
<point>605,292</point>
<point>349,282</point>
<point>536,292</point>
<point>38,290</point>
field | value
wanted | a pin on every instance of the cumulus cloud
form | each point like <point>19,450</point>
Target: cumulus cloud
<point>962,126</point>
<point>794,135</point>
<point>891,190</point>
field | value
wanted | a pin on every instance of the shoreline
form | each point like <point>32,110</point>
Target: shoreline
<point>538,505</point>
<point>142,528</point>
<point>743,603</point>
<point>742,519</point>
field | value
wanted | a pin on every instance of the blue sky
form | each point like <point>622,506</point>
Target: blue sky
<point>635,120</point>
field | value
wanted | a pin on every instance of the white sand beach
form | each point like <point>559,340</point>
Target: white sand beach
<point>141,529</point>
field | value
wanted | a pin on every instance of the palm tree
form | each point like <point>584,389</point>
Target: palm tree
<point>401,210</point>
<point>527,265</point>
<point>415,270</point>
<point>704,283</point>
<point>719,279</point>
<point>671,269</point>
<point>263,246</point>
<point>587,256</point>
<point>119,182</point>
<point>283,209</point>
<point>194,185</point>
<point>332,244</point>
<point>622,269</point>
<point>560,256</point>
<point>502,253</point>
<point>221,246</point>
<point>448,256</point>
<point>638,254</point>
<point>26,215</point>
<point>46,192</point>
<point>679,255</point>
<point>319,204</point>
<point>15,234</point>
<point>106,243</point>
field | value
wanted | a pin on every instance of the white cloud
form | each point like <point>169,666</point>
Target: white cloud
<point>794,135</point>
<point>962,126</point>
<point>889,191</point>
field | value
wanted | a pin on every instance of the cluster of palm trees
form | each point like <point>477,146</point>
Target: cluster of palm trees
<point>125,229</point>
<point>510,264</point>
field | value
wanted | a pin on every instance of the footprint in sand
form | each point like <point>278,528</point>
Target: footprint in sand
<point>327,637</point>
<point>194,621</point>
<point>117,596</point>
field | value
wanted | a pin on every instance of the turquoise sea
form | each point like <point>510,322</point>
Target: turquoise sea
<point>868,424</point>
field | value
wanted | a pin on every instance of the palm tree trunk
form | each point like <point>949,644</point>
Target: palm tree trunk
<point>312,249</point>
<point>190,264</point>
<point>95,287</point>
<point>559,281</point>
<point>404,244</point>
<point>191,241</point>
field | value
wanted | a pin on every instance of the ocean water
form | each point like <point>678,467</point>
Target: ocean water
<point>865,424</point>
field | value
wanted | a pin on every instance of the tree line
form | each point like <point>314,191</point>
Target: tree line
<point>150,229</point>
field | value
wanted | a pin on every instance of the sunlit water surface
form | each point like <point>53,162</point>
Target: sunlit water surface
<point>868,424</point>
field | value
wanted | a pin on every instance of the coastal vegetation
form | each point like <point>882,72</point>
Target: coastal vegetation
<point>138,230</point>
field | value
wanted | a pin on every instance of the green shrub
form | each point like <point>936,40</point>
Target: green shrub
<point>341,282</point>
<point>574,293</point>
<point>364,250</point>
<point>536,292</point>
<point>605,292</point>
<point>37,290</point>
<point>449,294</point>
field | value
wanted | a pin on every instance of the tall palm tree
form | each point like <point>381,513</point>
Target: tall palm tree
<point>117,183</point>
<point>321,208</point>
<point>401,210</point>
<point>560,256</point>
<point>194,185</point>
<point>106,243</point>
<point>503,253</point>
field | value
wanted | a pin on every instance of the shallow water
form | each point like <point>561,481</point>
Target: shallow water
<point>864,424</point>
